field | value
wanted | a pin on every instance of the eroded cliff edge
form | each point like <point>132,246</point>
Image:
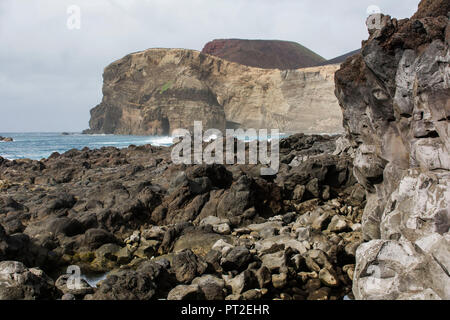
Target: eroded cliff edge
<point>395,97</point>
<point>158,90</point>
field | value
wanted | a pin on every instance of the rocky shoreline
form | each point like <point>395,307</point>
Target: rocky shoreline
<point>363,215</point>
<point>6,139</point>
<point>165,231</point>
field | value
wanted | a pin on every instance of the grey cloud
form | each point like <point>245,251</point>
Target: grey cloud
<point>50,77</point>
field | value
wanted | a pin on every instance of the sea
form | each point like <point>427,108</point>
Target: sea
<point>42,144</point>
<point>37,146</point>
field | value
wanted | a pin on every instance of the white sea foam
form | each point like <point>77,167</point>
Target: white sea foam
<point>161,141</point>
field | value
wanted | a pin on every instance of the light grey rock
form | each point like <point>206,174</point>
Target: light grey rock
<point>337,224</point>
<point>275,261</point>
<point>17,282</point>
<point>242,282</point>
<point>83,288</point>
<point>396,110</point>
<point>211,286</point>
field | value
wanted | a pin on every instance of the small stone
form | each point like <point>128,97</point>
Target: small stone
<point>263,276</point>
<point>211,286</point>
<point>337,224</point>
<point>326,193</point>
<point>242,282</point>
<point>313,187</point>
<point>320,294</point>
<point>349,269</point>
<point>328,278</point>
<point>222,246</point>
<point>307,275</point>
<point>279,281</point>
<point>236,259</point>
<point>275,261</point>
<point>285,296</point>
<point>187,266</point>
<point>313,284</point>
<point>318,223</point>
<point>299,191</point>
<point>233,297</point>
<point>253,294</point>
<point>222,228</point>
<point>185,292</point>
<point>302,233</point>
<point>68,296</point>
<point>155,232</point>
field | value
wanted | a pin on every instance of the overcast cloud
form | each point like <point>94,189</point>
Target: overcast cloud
<point>50,76</point>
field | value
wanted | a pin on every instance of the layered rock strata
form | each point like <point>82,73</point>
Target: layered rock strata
<point>159,90</point>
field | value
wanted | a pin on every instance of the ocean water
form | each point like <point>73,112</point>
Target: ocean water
<point>41,145</point>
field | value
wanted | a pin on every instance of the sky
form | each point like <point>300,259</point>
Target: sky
<point>51,70</point>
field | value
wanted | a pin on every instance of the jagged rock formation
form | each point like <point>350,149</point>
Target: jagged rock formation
<point>395,97</point>
<point>266,54</point>
<point>159,90</point>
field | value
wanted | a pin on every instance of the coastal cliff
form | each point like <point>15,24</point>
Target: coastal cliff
<point>395,97</point>
<point>158,90</point>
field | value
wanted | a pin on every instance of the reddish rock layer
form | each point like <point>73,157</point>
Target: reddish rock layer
<point>267,54</point>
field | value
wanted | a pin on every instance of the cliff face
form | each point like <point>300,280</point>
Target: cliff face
<point>159,90</point>
<point>266,54</point>
<point>395,97</point>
